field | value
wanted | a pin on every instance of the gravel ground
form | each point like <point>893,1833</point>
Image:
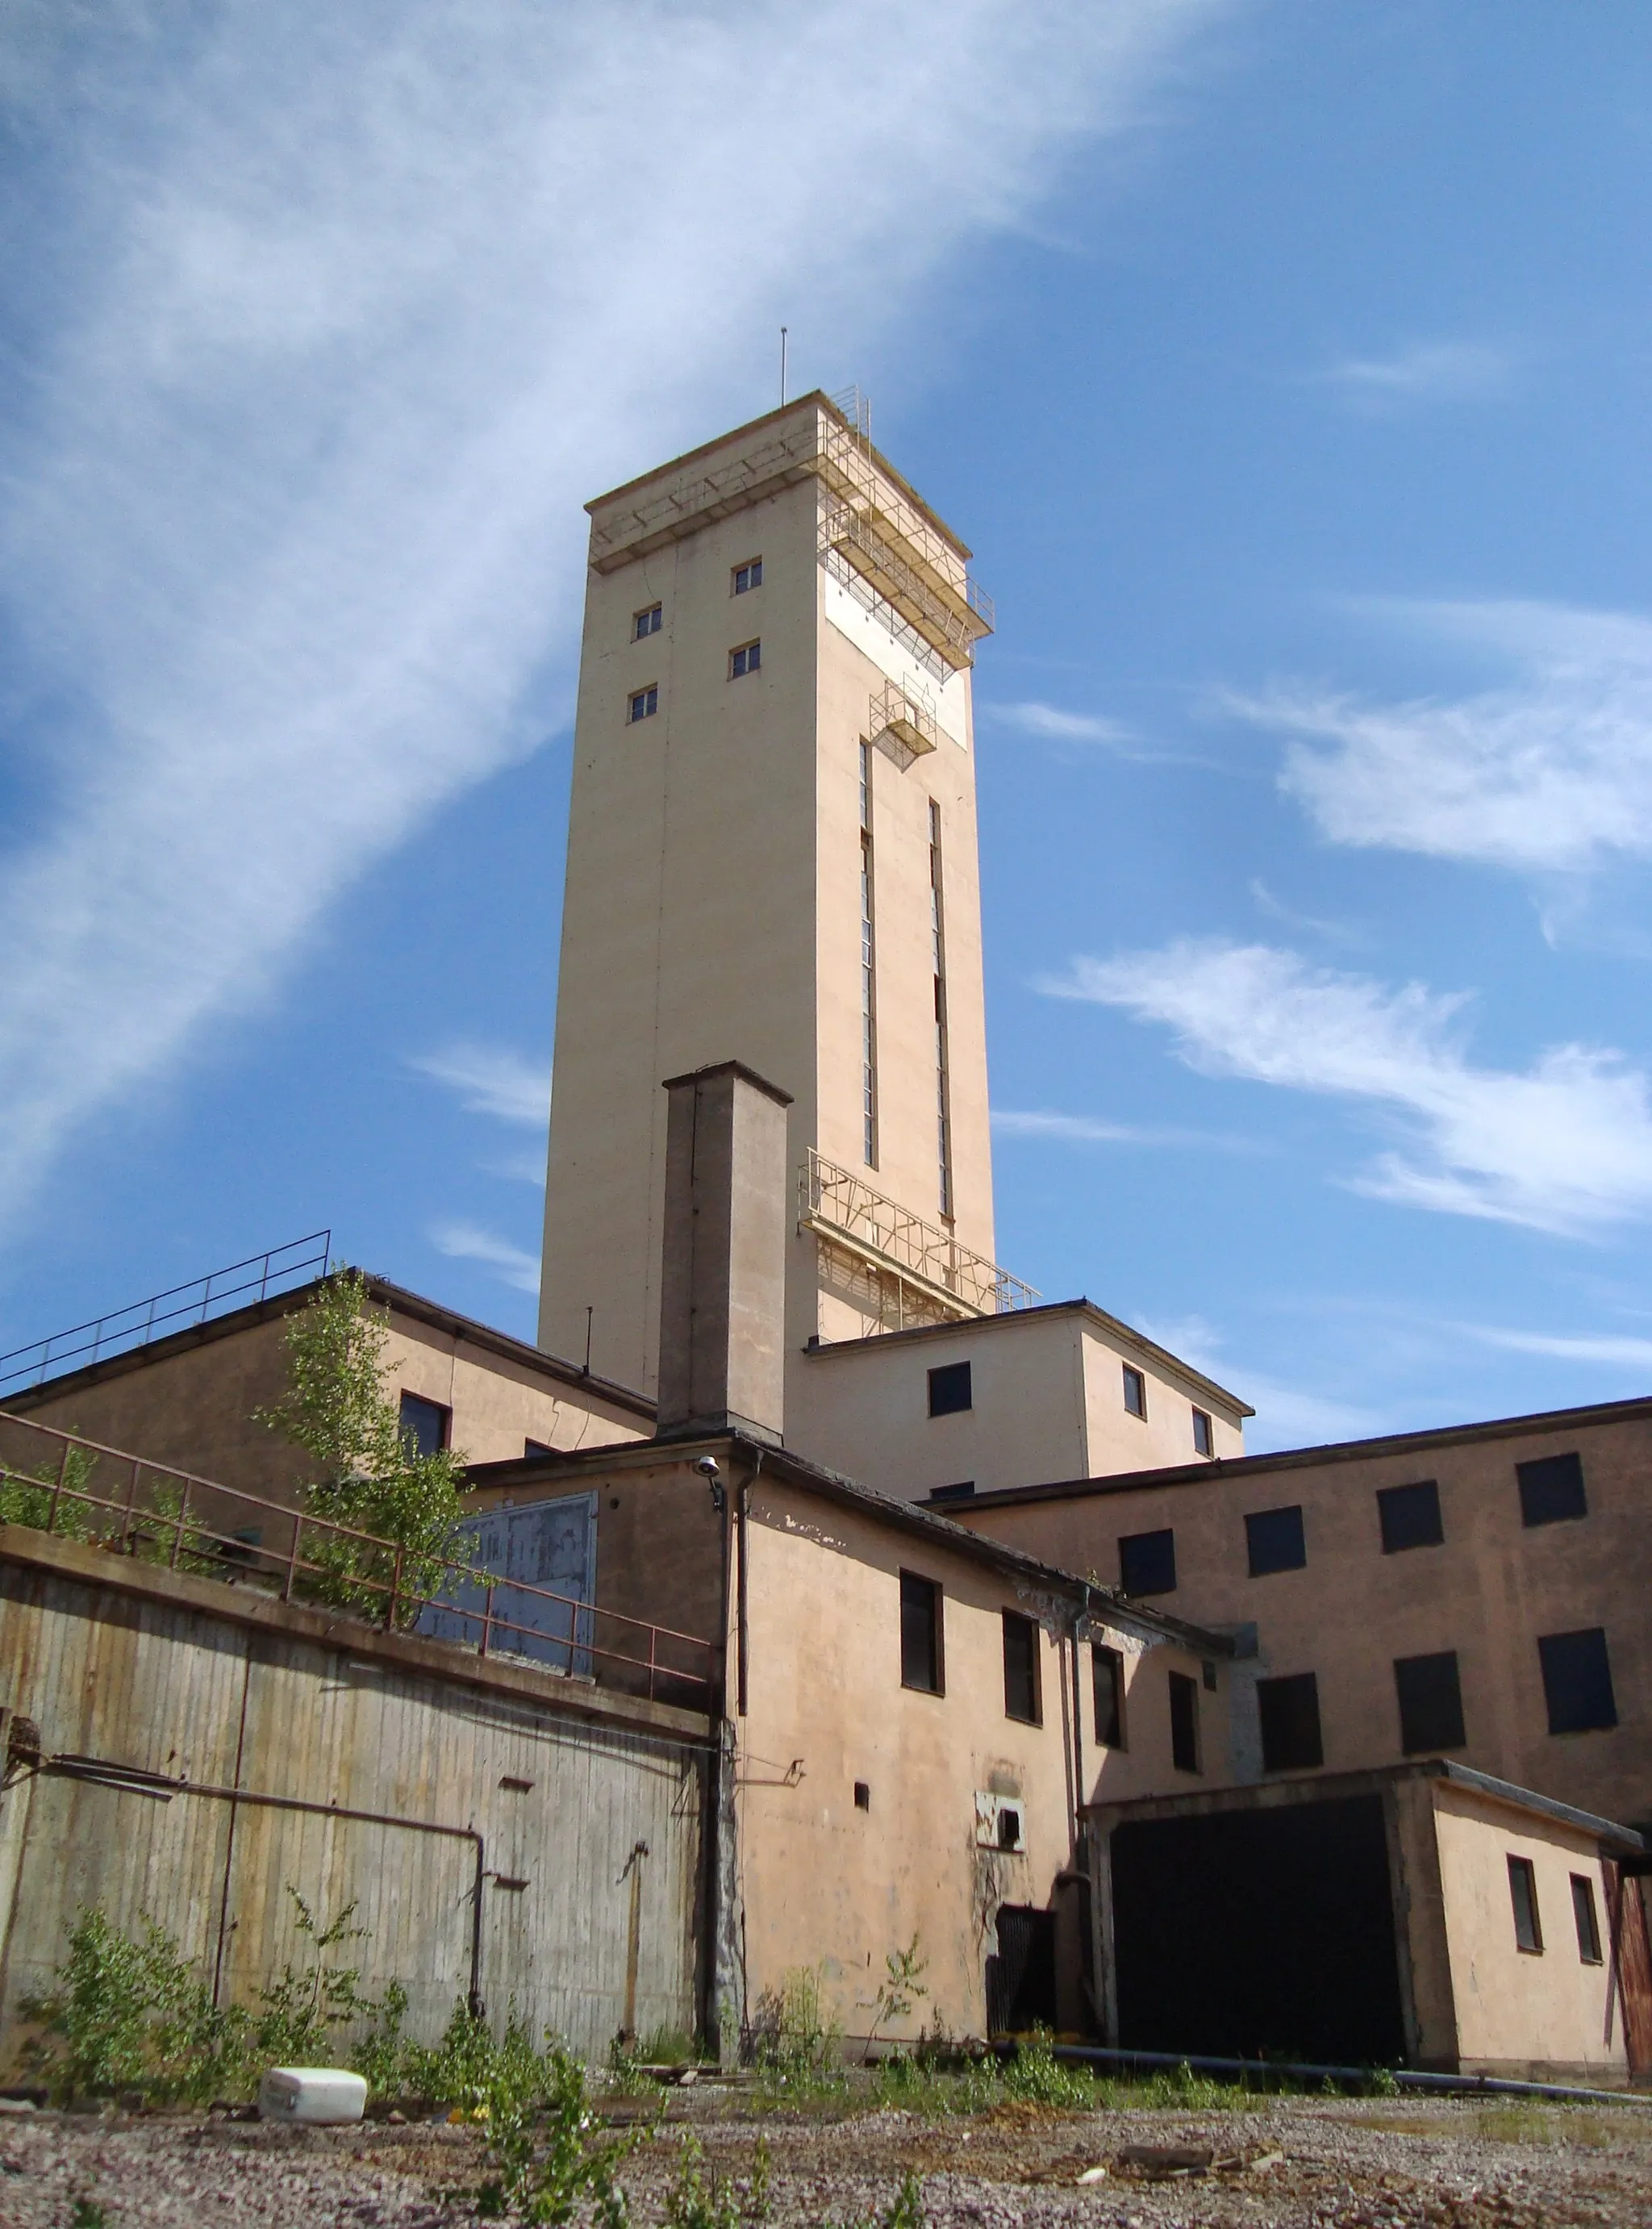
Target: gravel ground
<point>1297,2163</point>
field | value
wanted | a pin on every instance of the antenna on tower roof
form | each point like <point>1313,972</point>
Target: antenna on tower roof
<point>782,366</point>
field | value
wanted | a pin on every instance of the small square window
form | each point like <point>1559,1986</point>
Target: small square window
<point>1274,1539</point>
<point>1184,1723</point>
<point>424,1424</point>
<point>1148,1562</point>
<point>1522,1890</point>
<point>1021,1697</point>
<point>746,659</point>
<point>950,1391</point>
<point>1410,1516</point>
<point>1550,1490</point>
<point>1430,1702</point>
<point>1290,1710</point>
<point>1107,1685</point>
<point>1204,1434</point>
<point>920,1657</point>
<point>749,576</point>
<point>1577,1681</point>
<point>645,702</point>
<point>1586,1918</point>
<point>645,623</point>
<point>863,1796</point>
<point>1135,1392</point>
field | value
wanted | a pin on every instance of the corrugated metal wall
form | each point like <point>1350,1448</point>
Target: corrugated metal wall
<point>179,1692</point>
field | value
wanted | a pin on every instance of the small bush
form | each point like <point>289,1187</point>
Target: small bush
<point>545,2162</point>
<point>1036,2076</point>
<point>702,2199</point>
<point>26,1498</point>
<point>792,2043</point>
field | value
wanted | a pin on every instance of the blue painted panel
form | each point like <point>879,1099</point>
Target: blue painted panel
<point>543,1544</point>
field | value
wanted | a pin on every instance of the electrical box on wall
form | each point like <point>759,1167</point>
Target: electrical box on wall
<point>1000,1822</point>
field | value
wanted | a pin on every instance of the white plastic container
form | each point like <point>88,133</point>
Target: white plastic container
<point>320,2095</point>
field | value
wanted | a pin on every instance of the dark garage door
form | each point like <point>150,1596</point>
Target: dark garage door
<point>1245,1932</point>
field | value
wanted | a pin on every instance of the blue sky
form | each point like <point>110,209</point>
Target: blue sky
<point>1287,366</point>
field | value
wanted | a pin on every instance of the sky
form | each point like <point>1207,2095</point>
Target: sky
<point>1287,368</point>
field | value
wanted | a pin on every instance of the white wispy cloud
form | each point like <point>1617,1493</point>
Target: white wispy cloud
<point>1091,1130</point>
<point>491,1080</point>
<point>1564,1146</point>
<point>468,1241</point>
<point>1276,910</point>
<point>1548,772</point>
<point>325,323</point>
<point>1422,372</point>
<point>1037,719</point>
<point>1611,1348</point>
<point>1286,1415</point>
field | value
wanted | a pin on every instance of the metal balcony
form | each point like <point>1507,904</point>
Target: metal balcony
<point>921,1274</point>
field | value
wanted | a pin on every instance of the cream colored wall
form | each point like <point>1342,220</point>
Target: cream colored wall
<point>1516,2010</point>
<point>712,909</point>
<point>688,914</point>
<point>827,1886</point>
<point>1143,1765</point>
<point>1049,1404</point>
<point>193,1409</point>
<point>1488,1591</point>
<point>1117,1441</point>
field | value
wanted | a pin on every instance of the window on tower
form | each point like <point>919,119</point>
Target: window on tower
<point>747,576</point>
<point>645,702</point>
<point>645,623</point>
<point>746,659</point>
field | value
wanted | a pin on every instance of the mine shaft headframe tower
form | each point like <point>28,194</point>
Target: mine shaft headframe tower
<point>772,860</point>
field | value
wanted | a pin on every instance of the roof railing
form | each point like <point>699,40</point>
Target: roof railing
<point>124,1329</point>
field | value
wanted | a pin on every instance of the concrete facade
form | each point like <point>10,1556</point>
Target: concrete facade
<point>713,907</point>
<point>189,1400</point>
<point>1047,1400</point>
<point>1489,1590</point>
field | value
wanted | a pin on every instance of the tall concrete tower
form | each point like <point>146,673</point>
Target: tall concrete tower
<point>772,860</point>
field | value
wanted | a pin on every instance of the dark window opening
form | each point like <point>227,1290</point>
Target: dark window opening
<point>1550,1489</point>
<point>1204,1434</point>
<point>1577,1681</point>
<point>1522,1889</point>
<point>1009,1827</point>
<point>538,1448</point>
<point>963,1492</point>
<point>424,1424</point>
<point>863,1796</point>
<point>1588,1923</point>
<point>645,623</point>
<point>1021,1698</point>
<point>1107,1685</point>
<point>1430,1702</point>
<point>1184,1723</point>
<point>920,1662</point>
<point>1148,1562</point>
<point>749,576</point>
<point>1207,1669</point>
<point>1410,1516</point>
<point>949,1390</point>
<point>746,659</point>
<point>645,702</point>
<point>1135,1392</point>
<point>1274,1539</point>
<point>1290,1710</point>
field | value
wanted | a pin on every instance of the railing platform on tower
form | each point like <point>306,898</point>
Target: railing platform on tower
<point>921,1274</point>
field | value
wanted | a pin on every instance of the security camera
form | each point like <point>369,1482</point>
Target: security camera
<point>707,1467</point>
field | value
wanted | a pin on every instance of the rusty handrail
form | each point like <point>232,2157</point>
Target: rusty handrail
<point>191,1537</point>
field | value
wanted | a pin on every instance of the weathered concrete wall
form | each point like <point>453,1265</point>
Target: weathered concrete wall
<point>189,1678</point>
<point>189,1401</point>
<point>1515,2009</point>
<point>1488,1590</point>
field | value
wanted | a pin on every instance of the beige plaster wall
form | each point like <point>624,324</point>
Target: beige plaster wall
<point>1515,2009</point>
<point>192,1408</point>
<point>712,911</point>
<point>1488,1591</point>
<point>1049,1404</point>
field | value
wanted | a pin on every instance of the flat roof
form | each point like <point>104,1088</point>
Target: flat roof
<point>1137,1341</point>
<point>1336,1451</point>
<point>910,1517</point>
<point>1329,1787</point>
<point>769,418</point>
<point>395,1297</point>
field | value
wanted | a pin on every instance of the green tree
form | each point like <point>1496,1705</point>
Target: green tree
<point>367,1474</point>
